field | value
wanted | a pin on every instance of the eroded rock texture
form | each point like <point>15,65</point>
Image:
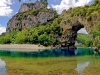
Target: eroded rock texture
<point>29,15</point>
<point>28,6</point>
<point>70,30</point>
<point>71,23</point>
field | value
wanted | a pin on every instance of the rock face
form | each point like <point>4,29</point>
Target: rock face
<point>29,6</point>
<point>70,30</point>
<point>28,16</point>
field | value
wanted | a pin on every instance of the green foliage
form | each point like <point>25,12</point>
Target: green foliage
<point>12,37</point>
<point>86,11</point>
<point>40,34</point>
<point>95,33</point>
<point>23,15</point>
<point>45,2</point>
<point>21,37</point>
<point>44,39</point>
<point>98,45</point>
<point>5,39</point>
<point>79,11</point>
<point>84,39</point>
<point>99,26</point>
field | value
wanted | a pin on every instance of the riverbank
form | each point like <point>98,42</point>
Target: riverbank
<point>22,47</point>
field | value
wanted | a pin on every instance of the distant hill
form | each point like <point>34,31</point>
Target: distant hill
<point>83,40</point>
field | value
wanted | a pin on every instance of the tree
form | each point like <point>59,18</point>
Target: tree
<point>5,39</point>
<point>45,2</point>
<point>44,39</point>
<point>98,26</point>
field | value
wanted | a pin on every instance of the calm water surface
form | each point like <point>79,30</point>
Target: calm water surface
<point>81,66</point>
<point>56,63</point>
<point>2,67</point>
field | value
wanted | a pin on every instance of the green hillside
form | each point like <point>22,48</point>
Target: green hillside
<point>40,34</point>
<point>84,39</point>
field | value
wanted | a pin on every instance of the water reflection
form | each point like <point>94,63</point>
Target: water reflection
<point>84,51</point>
<point>50,66</point>
<point>2,68</point>
<point>41,64</point>
<point>81,66</point>
<point>36,66</point>
<point>48,52</point>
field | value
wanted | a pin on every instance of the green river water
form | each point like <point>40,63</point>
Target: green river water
<point>50,62</point>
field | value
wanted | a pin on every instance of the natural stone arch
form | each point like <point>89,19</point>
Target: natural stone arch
<point>69,35</point>
<point>71,25</point>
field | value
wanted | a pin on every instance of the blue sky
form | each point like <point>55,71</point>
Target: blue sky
<point>10,7</point>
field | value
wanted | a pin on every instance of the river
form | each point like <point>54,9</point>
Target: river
<point>49,62</point>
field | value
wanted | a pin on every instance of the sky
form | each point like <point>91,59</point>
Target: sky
<point>9,8</point>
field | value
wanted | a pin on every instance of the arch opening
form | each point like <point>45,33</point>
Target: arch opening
<point>83,39</point>
<point>83,31</point>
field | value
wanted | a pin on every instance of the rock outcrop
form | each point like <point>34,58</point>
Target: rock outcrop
<point>29,15</point>
<point>29,6</point>
<point>70,29</point>
<point>81,17</point>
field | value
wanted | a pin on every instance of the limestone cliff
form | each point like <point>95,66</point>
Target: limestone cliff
<point>29,15</point>
<point>28,6</point>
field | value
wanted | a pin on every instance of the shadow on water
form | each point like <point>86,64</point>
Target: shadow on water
<point>49,52</point>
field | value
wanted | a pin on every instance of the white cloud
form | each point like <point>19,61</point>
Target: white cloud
<point>5,9</point>
<point>66,4</point>
<point>2,29</point>
<point>82,30</point>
